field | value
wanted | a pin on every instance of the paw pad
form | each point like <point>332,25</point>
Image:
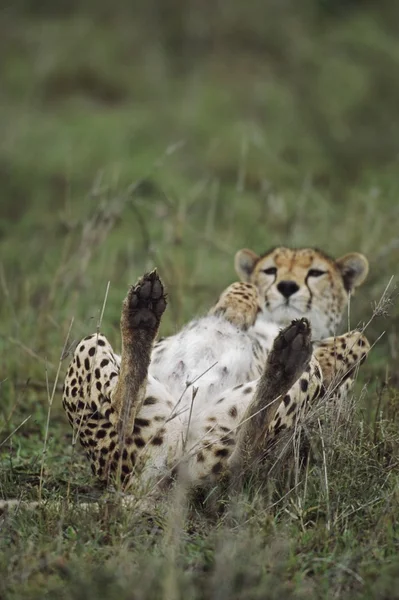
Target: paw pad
<point>145,303</point>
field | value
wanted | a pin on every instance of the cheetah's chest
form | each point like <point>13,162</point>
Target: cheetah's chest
<point>211,354</point>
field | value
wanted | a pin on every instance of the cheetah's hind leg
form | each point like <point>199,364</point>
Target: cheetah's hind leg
<point>141,315</point>
<point>339,358</point>
<point>98,390</point>
<point>288,359</point>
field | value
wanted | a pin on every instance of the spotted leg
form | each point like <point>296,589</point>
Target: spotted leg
<point>103,392</point>
<point>141,314</point>
<point>339,358</point>
<point>287,361</point>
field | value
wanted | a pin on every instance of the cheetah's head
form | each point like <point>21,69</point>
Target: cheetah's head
<point>303,282</point>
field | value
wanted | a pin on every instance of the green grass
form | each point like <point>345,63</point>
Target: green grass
<point>114,158</point>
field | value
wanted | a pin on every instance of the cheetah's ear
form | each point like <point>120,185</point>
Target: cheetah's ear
<point>354,268</point>
<point>244,263</point>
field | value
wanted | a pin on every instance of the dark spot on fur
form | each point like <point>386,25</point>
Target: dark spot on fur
<point>139,442</point>
<point>92,351</point>
<point>157,441</point>
<point>74,392</point>
<point>223,428</point>
<point>216,469</point>
<point>104,362</point>
<point>287,400</point>
<point>101,433</point>
<point>87,364</point>
<point>233,412</point>
<point>220,400</point>
<point>150,400</point>
<point>142,422</point>
<point>237,387</point>
<point>304,384</point>
<point>291,408</point>
<point>247,390</point>
<point>97,373</point>
<point>98,386</point>
<point>78,363</point>
<point>200,457</point>
<point>222,452</point>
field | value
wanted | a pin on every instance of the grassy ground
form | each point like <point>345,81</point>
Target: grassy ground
<point>112,161</point>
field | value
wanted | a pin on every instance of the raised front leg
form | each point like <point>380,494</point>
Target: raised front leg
<point>141,314</point>
<point>239,304</point>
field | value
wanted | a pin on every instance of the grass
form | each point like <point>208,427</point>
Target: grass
<point>114,160</point>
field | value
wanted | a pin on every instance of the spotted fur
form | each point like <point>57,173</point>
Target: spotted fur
<point>193,402</point>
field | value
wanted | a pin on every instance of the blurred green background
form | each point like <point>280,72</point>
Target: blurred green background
<point>172,133</point>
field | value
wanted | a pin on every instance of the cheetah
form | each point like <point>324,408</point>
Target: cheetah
<point>200,402</point>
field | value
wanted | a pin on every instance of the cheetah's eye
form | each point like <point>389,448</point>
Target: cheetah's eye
<point>270,271</point>
<point>315,273</point>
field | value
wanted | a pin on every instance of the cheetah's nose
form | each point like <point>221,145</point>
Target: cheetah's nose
<point>287,288</point>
